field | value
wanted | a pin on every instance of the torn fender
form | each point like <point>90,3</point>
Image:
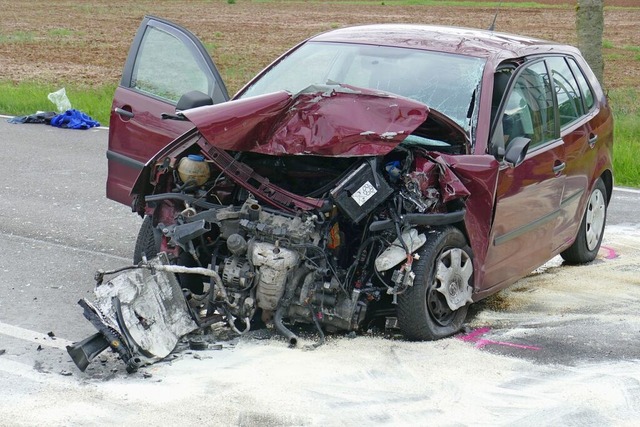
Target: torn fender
<point>336,120</point>
<point>479,174</point>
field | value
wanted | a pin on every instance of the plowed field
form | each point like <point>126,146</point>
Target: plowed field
<point>69,42</point>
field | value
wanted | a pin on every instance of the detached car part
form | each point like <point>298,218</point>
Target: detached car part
<point>141,314</point>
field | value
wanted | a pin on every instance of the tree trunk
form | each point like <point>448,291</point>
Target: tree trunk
<point>589,26</point>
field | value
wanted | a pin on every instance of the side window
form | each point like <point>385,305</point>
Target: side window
<point>587,94</point>
<point>528,111</point>
<point>166,68</point>
<point>570,106</point>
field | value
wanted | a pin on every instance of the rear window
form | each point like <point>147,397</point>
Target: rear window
<point>570,107</point>
<point>587,93</point>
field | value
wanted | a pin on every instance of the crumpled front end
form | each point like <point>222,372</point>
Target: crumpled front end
<point>296,209</point>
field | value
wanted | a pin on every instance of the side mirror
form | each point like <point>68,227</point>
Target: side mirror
<point>193,99</point>
<point>516,151</point>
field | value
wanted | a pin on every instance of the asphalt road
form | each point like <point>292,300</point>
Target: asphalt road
<point>57,228</point>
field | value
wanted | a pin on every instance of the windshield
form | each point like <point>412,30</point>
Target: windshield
<point>445,82</point>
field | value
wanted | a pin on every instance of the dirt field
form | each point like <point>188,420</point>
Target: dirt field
<point>67,42</point>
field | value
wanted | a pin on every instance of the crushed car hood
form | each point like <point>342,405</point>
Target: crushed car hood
<point>336,120</point>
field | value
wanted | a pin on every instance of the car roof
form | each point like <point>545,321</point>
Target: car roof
<point>465,41</point>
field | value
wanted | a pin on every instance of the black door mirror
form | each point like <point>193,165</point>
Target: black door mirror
<point>517,151</point>
<point>193,99</point>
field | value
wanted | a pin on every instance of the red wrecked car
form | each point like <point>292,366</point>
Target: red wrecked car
<point>393,173</point>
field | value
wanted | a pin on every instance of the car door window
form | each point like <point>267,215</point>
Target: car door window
<point>570,106</point>
<point>587,93</point>
<point>528,111</point>
<point>166,68</point>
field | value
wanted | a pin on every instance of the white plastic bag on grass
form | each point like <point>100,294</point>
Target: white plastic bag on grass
<point>59,98</point>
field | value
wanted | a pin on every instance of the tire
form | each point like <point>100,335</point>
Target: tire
<point>423,312</point>
<point>587,244</point>
<point>148,241</point>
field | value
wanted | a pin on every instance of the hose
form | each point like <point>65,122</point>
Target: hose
<point>292,284</point>
<point>420,219</point>
<point>318,327</point>
<point>277,322</point>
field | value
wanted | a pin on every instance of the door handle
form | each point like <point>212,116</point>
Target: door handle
<point>124,113</point>
<point>593,138</point>
<point>559,167</point>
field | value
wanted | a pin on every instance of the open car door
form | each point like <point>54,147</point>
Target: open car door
<point>165,62</point>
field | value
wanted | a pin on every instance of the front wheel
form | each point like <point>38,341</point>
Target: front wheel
<point>587,244</point>
<point>437,303</point>
<point>148,241</point>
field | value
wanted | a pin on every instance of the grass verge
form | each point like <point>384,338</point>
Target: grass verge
<point>626,111</point>
<point>27,98</point>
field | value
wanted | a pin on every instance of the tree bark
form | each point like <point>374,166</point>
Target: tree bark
<point>589,26</point>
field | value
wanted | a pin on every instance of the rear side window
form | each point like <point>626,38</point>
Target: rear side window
<point>529,108</point>
<point>570,107</point>
<point>587,94</point>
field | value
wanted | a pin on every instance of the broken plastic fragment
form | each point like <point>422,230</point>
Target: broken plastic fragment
<point>395,253</point>
<point>144,309</point>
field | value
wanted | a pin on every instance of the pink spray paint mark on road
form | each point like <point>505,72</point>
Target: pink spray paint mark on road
<point>475,337</point>
<point>610,253</point>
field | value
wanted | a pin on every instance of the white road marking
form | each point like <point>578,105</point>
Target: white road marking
<point>626,190</point>
<point>36,337</point>
<point>58,245</point>
<point>23,370</point>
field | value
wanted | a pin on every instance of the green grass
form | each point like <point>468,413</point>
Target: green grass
<point>18,37</point>
<point>607,44</point>
<point>625,151</point>
<point>626,111</point>
<point>613,56</point>
<point>60,33</point>
<point>27,98</point>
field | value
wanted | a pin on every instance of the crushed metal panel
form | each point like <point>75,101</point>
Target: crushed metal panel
<point>146,308</point>
<point>479,175</point>
<point>336,120</point>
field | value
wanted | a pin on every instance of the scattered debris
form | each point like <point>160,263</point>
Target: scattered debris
<point>39,117</point>
<point>198,344</point>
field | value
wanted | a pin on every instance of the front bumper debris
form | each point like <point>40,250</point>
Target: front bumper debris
<point>141,314</point>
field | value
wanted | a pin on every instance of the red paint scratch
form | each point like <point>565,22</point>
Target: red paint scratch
<point>610,253</point>
<point>474,337</point>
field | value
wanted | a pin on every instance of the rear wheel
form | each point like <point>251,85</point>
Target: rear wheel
<point>148,241</point>
<point>437,303</point>
<point>587,243</point>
